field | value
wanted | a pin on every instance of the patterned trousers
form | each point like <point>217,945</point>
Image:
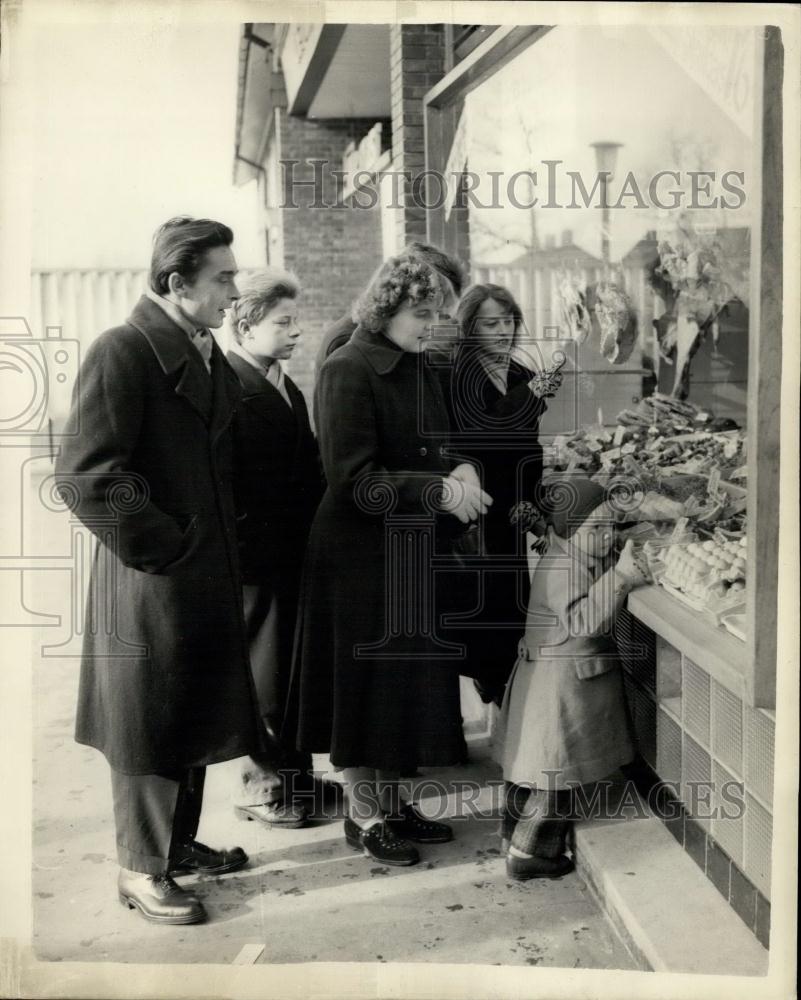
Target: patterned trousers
<point>537,821</point>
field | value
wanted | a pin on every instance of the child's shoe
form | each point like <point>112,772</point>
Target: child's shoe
<point>521,869</point>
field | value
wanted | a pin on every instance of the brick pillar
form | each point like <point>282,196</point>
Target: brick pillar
<point>417,62</point>
<point>333,249</point>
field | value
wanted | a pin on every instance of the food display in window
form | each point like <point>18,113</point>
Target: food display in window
<point>688,472</point>
<point>617,322</point>
<point>696,278</point>
<point>711,567</point>
<point>574,315</point>
<point>664,436</point>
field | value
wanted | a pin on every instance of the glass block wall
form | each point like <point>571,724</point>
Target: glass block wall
<point>717,752</point>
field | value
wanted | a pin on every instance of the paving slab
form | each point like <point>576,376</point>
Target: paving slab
<point>306,897</point>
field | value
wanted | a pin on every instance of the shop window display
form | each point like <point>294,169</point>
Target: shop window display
<point>611,179</point>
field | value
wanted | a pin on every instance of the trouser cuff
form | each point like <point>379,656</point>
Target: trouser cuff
<point>146,864</point>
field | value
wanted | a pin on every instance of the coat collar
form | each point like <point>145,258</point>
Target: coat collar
<point>251,378</point>
<point>169,342</point>
<point>382,354</point>
<point>175,353</point>
<point>254,382</point>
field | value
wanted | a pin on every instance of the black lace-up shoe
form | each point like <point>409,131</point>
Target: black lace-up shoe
<point>411,825</point>
<point>159,899</point>
<point>379,842</point>
<point>196,858</point>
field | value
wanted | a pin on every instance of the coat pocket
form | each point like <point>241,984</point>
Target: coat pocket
<point>186,547</point>
<point>594,666</point>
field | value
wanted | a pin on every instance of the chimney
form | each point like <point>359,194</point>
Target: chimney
<point>550,242</point>
<point>567,237</point>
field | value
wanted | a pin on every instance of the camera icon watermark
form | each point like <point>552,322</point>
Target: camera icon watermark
<point>37,375</point>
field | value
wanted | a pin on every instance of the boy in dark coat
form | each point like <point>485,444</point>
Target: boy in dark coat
<point>278,484</point>
<point>165,684</point>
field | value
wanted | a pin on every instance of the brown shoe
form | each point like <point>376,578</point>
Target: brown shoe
<point>279,814</point>
<point>159,899</point>
<point>195,858</point>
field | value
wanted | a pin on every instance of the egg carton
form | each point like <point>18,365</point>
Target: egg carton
<point>710,565</point>
<point>714,608</point>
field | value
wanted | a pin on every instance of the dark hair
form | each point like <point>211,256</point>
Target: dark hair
<point>180,245</point>
<point>259,293</point>
<point>448,266</point>
<point>473,299</point>
<point>405,278</point>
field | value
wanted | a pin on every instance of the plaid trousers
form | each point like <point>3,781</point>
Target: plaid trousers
<point>536,821</point>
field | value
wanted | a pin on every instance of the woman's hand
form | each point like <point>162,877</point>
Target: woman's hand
<point>464,498</point>
<point>630,567</point>
<point>466,473</point>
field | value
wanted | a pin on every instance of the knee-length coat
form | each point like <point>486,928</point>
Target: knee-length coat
<point>499,433</point>
<point>564,718</point>
<point>145,463</point>
<point>374,682</point>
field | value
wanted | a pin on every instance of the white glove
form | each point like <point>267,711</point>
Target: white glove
<point>466,473</point>
<point>464,499</point>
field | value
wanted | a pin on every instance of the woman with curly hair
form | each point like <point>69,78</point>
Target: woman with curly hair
<point>372,685</point>
<point>495,405</point>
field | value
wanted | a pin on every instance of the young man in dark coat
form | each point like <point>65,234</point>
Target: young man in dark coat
<point>165,685</point>
<point>277,485</point>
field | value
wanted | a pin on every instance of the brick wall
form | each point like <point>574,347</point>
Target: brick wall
<point>417,62</point>
<point>333,250</point>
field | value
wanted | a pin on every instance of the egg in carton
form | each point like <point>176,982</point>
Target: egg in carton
<point>707,571</point>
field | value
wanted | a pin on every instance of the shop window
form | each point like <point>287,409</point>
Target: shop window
<point>611,178</point>
<point>558,128</point>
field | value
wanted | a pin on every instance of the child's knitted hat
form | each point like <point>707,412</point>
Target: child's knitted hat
<point>569,501</point>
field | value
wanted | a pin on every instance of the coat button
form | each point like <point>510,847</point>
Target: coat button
<point>424,451</point>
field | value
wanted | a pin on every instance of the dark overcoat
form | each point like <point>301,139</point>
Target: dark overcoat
<point>373,681</point>
<point>146,465</point>
<point>499,433</point>
<point>278,479</point>
<point>277,485</point>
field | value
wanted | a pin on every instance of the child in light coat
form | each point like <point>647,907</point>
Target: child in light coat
<point>564,721</point>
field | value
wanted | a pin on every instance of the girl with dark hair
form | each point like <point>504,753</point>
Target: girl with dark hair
<point>372,685</point>
<point>495,406</point>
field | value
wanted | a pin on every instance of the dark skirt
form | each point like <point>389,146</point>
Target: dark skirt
<point>374,684</point>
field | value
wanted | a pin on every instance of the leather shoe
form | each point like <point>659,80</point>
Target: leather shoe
<point>411,825</point>
<point>278,814</point>
<point>158,898</point>
<point>194,857</point>
<point>379,842</point>
<point>521,869</point>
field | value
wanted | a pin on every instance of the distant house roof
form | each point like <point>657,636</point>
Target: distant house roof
<point>643,252</point>
<point>565,255</point>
